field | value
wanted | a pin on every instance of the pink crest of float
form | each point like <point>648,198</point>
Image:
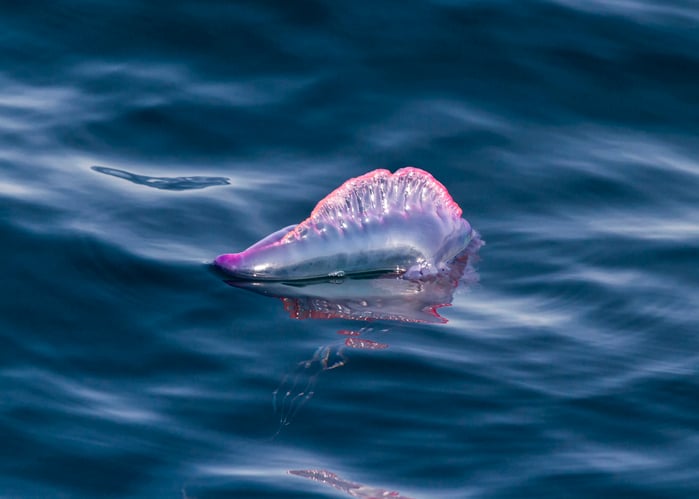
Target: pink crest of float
<point>374,195</point>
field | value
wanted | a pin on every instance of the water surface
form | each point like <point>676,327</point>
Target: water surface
<point>138,142</point>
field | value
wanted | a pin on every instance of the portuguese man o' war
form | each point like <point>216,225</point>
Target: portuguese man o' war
<point>404,222</point>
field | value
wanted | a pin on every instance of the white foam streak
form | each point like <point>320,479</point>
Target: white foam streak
<point>82,399</point>
<point>483,307</point>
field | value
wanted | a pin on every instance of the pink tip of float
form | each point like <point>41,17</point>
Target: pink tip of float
<point>229,261</point>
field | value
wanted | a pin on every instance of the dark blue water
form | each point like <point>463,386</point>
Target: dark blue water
<point>139,140</point>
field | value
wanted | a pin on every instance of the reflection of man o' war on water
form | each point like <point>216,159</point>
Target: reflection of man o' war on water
<point>372,296</point>
<point>389,247</point>
<point>164,183</point>
<point>352,488</point>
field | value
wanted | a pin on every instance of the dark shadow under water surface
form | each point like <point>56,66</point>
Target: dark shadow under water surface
<point>166,183</point>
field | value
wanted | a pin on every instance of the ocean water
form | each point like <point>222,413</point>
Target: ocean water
<point>138,140</point>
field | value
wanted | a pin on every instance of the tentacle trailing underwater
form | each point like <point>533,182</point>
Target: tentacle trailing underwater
<point>404,222</point>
